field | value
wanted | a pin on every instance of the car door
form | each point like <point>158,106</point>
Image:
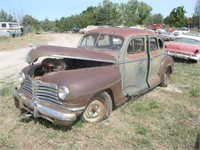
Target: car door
<point>135,66</point>
<point>156,55</point>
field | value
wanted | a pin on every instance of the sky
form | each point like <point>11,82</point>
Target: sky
<point>55,9</point>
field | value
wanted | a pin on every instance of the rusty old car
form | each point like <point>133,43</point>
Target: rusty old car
<point>109,66</point>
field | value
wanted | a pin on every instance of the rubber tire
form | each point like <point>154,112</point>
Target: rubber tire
<point>104,102</point>
<point>165,77</point>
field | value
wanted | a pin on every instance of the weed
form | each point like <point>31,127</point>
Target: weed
<point>153,105</point>
<point>140,107</point>
<point>141,130</point>
<point>194,92</point>
<point>6,90</point>
<point>78,124</point>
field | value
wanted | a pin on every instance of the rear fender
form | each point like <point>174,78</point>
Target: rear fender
<point>167,62</point>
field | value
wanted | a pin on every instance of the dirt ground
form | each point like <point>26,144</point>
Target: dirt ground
<point>11,62</point>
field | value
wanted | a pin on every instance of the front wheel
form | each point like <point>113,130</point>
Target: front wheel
<point>165,78</point>
<point>99,108</point>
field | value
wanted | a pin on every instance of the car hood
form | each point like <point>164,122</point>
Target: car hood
<point>66,52</point>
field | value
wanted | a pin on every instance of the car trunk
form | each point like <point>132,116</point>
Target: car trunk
<point>183,48</point>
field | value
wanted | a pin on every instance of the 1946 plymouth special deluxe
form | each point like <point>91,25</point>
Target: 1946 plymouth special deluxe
<point>109,66</point>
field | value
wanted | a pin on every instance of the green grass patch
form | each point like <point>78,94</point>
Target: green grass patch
<point>140,107</point>
<point>6,90</point>
<point>194,92</point>
<point>141,130</point>
<point>153,105</point>
<point>78,124</point>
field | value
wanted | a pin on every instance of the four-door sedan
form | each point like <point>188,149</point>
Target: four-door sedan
<point>184,46</point>
<point>109,66</point>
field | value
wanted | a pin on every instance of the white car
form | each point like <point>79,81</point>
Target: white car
<point>88,28</point>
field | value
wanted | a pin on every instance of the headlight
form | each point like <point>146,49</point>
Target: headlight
<point>21,77</point>
<point>63,92</point>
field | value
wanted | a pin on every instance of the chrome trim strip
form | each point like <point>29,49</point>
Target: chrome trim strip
<point>81,58</point>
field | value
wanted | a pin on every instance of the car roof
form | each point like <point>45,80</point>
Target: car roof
<point>123,32</point>
<point>189,36</point>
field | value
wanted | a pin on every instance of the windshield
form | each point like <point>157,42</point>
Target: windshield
<point>187,40</point>
<point>102,41</point>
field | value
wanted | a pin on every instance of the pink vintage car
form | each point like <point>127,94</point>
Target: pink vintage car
<point>184,46</point>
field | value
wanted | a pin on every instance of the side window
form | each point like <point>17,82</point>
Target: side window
<point>160,44</point>
<point>3,25</point>
<point>89,41</point>
<point>136,46</point>
<point>103,40</point>
<point>153,44</point>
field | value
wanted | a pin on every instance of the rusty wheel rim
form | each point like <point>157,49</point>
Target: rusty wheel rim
<point>95,111</point>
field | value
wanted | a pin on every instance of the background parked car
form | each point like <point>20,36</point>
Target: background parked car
<point>10,29</point>
<point>185,46</point>
<point>88,28</point>
<point>160,31</point>
<point>167,36</point>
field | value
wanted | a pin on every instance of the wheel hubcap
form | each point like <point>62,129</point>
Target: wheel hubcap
<point>94,110</point>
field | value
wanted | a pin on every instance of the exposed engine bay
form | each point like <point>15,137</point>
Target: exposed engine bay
<point>54,65</point>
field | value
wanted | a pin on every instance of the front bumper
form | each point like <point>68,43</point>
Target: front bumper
<point>56,114</point>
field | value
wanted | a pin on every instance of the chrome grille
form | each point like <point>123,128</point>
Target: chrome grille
<point>40,90</point>
<point>46,92</point>
<point>27,86</point>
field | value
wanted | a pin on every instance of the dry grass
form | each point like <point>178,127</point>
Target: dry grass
<point>9,43</point>
<point>165,118</point>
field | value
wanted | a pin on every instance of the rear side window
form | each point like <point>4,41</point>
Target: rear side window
<point>160,44</point>
<point>153,44</point>
<point>136,46</point>
<point>3,25</point>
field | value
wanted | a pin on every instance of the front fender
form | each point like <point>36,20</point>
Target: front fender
<point>84,83</point>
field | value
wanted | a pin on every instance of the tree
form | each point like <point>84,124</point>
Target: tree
<point>87,17</point>
<point>177,17</point>
<point>47,25</point>
<point>5,17</point>
<point>143,12</point>
<point>154,19</point>
<point>31,24</point>
<point>107,13</point>
<point>134,12</point>
<point>196,16</point>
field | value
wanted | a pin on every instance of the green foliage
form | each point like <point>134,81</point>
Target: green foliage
<point>196,15</point>
<point>5,17</point>
<point>140,107</point>
<point>134,12</point>
<point>78,124</point>
<point>153,105</point>
<point>107,13</point>
<point>48,25</point>
<point>154,19</point>
<point>194,92</point>
<point>177,17</point>
<point>31,24</point>
<point>141,130</point>
<point>6,90</point>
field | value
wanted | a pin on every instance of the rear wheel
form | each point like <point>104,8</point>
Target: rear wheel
<point>165,78</point>
<point>99,108</point>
